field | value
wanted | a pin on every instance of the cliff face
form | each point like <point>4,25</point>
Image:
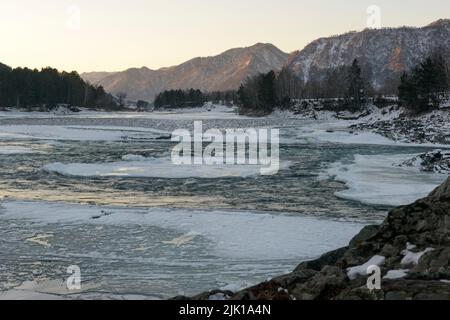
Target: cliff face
<point>384,53</point>
<point>411,247</point>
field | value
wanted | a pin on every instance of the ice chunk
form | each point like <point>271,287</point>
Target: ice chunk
<point>376,180</point>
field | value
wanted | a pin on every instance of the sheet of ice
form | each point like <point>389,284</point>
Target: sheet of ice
<point>378,180</point>
<point>27,295</point>
<point>78,133</point>
<point>208,111</point>
<point>7,149</point>
<point>235,234</point>
<point>339,135</point>
<point>362,270</point>
<point>156,168</point>
<point>46,289</point>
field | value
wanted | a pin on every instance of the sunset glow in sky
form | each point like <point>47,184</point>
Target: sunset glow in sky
<point>112,35</point>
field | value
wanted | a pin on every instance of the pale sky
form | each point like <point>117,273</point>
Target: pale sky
<point>113,35</point>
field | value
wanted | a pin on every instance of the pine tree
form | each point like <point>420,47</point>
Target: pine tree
<point>356,91</point>
<point>427,84</point>
<point>267,94</point>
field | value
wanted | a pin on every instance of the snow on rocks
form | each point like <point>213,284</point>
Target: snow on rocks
<point>433,127</point>
<point>361,271</point>
<point>396,274</point>
<point>411,257</point>
<point>437,161</point>
<point>218,297</point>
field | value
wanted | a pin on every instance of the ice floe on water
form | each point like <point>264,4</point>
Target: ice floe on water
<point>136,166</point>
<point>78,133</point>
<point>232,234</point>
<point>378,180</point>
<point>46,289</point>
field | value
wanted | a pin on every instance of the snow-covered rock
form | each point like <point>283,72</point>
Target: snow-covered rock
<point>437,161</point>
<point>413,258</point>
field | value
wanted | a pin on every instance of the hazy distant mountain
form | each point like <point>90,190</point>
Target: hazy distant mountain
<point>96,77</point>
<point>384,53</point>
<point>223,72</point>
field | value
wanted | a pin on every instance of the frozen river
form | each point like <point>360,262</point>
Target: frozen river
<point>99,191</point>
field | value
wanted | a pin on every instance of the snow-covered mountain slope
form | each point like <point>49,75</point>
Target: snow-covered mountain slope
<point>384,53</point>
<point>223,72</point>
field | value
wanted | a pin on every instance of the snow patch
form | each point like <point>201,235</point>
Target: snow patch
<point>413,258</point>
<point>361,271</point>
<point>235,287</point>
<point>396,274</point>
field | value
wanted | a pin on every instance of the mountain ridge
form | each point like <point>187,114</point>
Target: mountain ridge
<point>384,55</point>
<point>214,73</point>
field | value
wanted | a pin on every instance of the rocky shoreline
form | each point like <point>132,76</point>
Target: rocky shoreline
<point>383,117</point>
<point>436,161</point>
<point>411,248</point>
<point>427,128</point>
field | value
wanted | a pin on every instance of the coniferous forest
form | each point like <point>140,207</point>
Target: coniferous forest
<point>192,98</point>
<point>426,85</point>
<point>25,88</point>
